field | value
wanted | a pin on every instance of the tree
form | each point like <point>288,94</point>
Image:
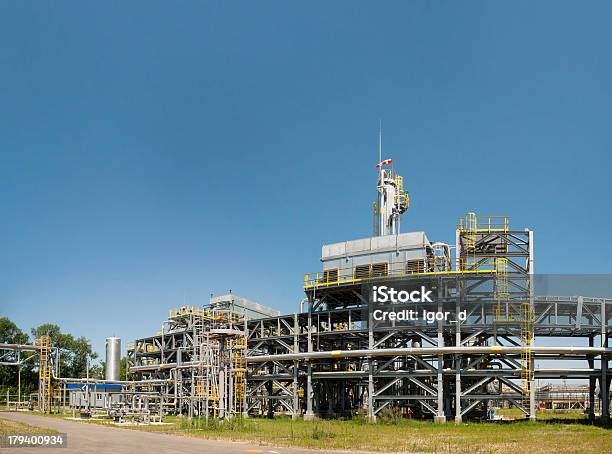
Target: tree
<point>100,369</point>
<point>123,367</point>
<point>74,352</point>
<point>11,334</point>
<point>97,371</point>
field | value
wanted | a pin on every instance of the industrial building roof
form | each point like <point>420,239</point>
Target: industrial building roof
<point>242,305</point>
<point>408,240</point>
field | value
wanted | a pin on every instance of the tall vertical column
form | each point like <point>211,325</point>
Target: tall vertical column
<point>458,417</point>
<point>604,390</point>
<point>309,415</point>
<point>592,381</point>
<point>245,402</point>
<point>440,417</point>
<point>222,379</point>
<point>230,409</point>
<point>371,415</point>
<point>532,391</point>
<point>296,349</point>
<point>457,251</point>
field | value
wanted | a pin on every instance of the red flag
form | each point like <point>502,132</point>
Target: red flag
<point>385,162</point>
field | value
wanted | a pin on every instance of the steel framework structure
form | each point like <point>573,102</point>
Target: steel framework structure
<point>335,359</point>
<point>196,363</point>
<point>328,362</point>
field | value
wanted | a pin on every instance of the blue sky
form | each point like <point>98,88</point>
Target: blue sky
<point>155,152</point>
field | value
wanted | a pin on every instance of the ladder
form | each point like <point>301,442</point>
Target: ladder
<point>44,374</point>
<point>468,227</point>
<point>501,285</point>
<point>239,370</point>
<point>527,319</point>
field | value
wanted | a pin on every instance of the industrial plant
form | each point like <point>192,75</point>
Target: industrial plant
<point>334,358</point>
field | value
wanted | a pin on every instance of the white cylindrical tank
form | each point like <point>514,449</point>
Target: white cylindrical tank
<point>113,358</point>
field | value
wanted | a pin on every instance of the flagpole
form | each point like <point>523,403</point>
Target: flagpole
<point>381,218</point>
<point>379,140</point>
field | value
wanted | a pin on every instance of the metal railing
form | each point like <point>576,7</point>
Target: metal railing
<point>208,314</point>
<point>373,271</point>
<point>473,223</point>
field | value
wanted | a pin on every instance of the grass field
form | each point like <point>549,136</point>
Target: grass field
<point>415,436</point>
<point>555,432</point>
<point>8,427</point>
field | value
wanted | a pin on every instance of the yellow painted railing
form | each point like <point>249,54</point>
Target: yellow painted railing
<point>376,271</point>
<point>209,314</point>
<point>471,223</point>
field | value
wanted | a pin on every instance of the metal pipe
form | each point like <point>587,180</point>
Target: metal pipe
<point>27,347</point>
<point>172,366</point>
<point>427,351</point>
<point>18,363</point>
<point>112,382</point>
<point>416,351</point>
<point>448,371</point>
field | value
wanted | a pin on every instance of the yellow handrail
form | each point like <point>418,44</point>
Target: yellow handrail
<point>474,224</point>
<point>367,272</point>
<point>209,314</point>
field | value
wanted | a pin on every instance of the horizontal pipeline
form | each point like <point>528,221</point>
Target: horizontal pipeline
<point>184,365</point>
<point>449,371</point>
<point>94,381</point>
<point>424,351</point>
<point>24,347</point>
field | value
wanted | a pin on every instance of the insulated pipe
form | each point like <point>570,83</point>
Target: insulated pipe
<point>468,372</point>
<point>116,382</point>
<point>497,349</point>
<point>416,351</point>
<point>171,366</point>
<point>25,347</point>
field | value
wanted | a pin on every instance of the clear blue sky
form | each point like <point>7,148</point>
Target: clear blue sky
<point>156,152</point>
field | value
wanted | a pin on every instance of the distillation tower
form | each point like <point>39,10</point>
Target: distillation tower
<point>391,202</point>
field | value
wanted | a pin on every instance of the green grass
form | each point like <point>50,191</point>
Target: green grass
<point>552,435</point>
<point>557,432</point>
<point>10,427</point>
<point>567,416</point>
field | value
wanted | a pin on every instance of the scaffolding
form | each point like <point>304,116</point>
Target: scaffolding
<point>201,355</point>
<point>482,238</point>
<point>206,382</point>
<point>284,378</point>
